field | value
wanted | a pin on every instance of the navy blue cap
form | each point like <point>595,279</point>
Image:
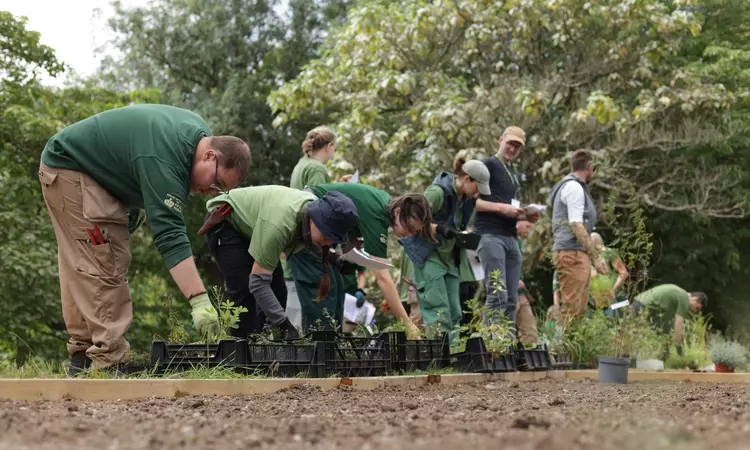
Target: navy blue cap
<point>334,215</point>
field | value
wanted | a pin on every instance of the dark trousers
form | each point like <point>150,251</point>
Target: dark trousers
<point>229,249</point>
<point>307,270</point>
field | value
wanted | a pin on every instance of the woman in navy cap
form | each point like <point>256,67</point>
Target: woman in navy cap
<point>248,229</point>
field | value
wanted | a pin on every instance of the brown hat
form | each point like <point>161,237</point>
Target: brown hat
<point>515,134</point>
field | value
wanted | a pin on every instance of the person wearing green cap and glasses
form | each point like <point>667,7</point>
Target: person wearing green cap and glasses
<point>452,198</point>
<point>266,222</point>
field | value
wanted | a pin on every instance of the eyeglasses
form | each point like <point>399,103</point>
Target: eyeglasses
<point>217,185</point>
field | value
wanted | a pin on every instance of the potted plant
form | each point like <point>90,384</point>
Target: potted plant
<point>728,355</point>
<point>626,334</point>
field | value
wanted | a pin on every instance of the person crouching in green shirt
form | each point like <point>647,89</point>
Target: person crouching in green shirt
<point>452,199</point>
<point>97,176</point>
<point>668,305</point>
<point>408,215</point>
<point>276,220</point>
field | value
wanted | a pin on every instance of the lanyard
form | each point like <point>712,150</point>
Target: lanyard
<point>513,178</point>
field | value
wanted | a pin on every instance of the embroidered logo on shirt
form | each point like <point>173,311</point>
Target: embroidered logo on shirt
<point>173,203</point>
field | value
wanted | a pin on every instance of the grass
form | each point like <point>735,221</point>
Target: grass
<point>44,369</point>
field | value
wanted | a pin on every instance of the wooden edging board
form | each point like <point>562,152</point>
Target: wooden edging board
<point>133,389</point>
<point>645,375</point>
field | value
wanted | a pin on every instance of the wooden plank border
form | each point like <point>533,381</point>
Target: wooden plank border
<point>134,389</point>
<point>635,375</point>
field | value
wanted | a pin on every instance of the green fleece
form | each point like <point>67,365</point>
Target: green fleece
<point>143,155</point>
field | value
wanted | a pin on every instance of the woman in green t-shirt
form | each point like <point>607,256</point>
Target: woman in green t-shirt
<point>248,229</point>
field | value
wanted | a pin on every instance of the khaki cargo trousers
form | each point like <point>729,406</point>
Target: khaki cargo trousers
<point>574,271</point>
<point>91,227</point>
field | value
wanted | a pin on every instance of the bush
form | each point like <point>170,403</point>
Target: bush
<point>730,353</point>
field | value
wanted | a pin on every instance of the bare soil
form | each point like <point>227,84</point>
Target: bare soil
<point>548,414</point>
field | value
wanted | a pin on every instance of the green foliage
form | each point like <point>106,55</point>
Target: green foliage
<point>632,241</point>
<point>23,56</point>
<point>413,82</point>
<point>221,58</point>
<point>634,336</point>
<point>496,335</point>
<point>553,336</point>
<point>587,338</point>
<point>695,345</point>
<point>600,286</point>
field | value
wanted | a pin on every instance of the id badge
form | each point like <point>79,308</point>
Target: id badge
<point>515,203</point>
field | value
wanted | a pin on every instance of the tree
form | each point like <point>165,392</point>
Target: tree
<point>653,87</point>
<point>415,82</point>
<point>221,58</point>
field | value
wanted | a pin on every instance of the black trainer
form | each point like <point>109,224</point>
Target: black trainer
<point>79,361</point>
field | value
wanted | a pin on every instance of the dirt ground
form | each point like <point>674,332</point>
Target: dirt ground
<point>547,414</point>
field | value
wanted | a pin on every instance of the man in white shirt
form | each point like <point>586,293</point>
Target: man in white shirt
<point>573,219</point>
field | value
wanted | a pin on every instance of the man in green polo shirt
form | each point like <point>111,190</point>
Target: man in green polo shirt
<point>669,304</point>
<point>97,176</point>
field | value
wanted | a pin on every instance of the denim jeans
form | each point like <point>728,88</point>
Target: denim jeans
<point>502,254</point>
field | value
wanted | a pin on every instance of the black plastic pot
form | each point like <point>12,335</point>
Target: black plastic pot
<point>613,370</point>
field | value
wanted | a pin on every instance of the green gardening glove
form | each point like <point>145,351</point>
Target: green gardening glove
<point>205,317</point>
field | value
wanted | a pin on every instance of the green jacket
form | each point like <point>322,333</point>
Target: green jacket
<point>143,155</point>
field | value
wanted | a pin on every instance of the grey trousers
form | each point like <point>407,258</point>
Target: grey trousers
<point>501,260</point>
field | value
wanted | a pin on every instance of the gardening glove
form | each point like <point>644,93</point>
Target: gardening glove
<point>205,317</point>
<point>446,231</point>
<point>679,350</point>
<point>360,294</point>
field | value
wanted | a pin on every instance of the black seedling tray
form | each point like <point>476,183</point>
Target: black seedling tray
<point>410,355</point>
<point>354,357</point>
<point>476,359</point>
<point>227,353</point>
<point>503,363</point>
<point>287,360</point>
<point>532,360</point>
